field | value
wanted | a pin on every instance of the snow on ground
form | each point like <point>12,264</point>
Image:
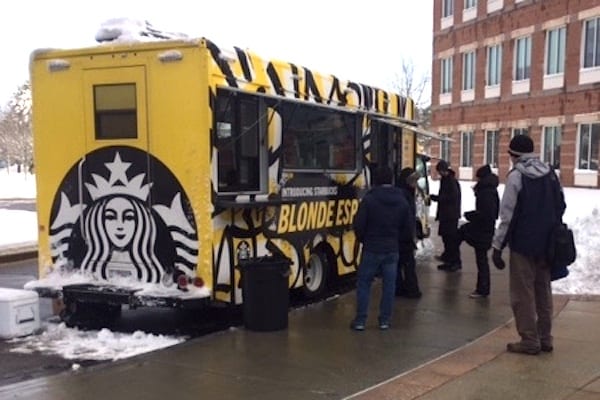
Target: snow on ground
<point>582,215</point>
<point>75,344</point>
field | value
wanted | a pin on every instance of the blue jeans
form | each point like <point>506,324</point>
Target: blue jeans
<point>371,264</point>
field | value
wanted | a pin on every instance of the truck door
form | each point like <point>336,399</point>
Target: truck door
<point>113,173</point>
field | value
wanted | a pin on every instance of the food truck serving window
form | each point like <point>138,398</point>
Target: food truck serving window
<point>115,111</point>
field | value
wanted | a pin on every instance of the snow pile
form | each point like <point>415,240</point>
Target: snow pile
<point>584,277</point>
<point>127,30</point>
<point>75,344</point>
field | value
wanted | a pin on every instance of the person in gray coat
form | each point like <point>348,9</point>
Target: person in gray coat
<point>531,204</point>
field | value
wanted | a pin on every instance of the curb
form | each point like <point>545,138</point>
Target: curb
<point>18,252</point>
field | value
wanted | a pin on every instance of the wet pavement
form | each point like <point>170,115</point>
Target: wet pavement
<point>442,346</point>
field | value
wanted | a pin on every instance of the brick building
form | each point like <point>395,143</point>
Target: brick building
<point>507,67</point>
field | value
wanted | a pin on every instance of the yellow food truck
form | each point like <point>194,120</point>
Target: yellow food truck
<point>162,165</point>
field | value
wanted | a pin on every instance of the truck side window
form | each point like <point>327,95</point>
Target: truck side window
<point>115,111</point>
<point>237,141</point>
<point>315,138</point>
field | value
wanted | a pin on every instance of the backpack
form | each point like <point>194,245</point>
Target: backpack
<point>561,251</point>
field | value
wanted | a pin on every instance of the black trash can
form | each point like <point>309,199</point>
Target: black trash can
<point>265,293</point>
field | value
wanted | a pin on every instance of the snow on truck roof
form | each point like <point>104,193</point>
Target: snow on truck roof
<point>130,30</point>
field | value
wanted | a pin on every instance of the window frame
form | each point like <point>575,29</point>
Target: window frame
<point>466,161</point>
<point>519,131</point>
<point>494,65</point>
<point>116,112</point>
<point>468,4</point>
<point>447,8</point>
<point>590,58</point>
<point>491,153</point>
<point>555,51</point>
<point>522,59</point>
<point>468,70</point>
<point>337,150</point>
<point>241,177</point>
<point>594,132</point>
<point>551,155</point>
<point>446,75</point>
<point>445,149</point>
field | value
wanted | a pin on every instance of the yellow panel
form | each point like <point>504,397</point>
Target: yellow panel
<point>58,142</point>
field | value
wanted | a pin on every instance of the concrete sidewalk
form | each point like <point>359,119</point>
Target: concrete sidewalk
<point>442,346</point>
<point>483,370</point>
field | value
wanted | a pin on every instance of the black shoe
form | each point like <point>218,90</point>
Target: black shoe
<point>357,326</point>
<point>450,267</point>
<point>518,347</point>
<point>409,295</point>
<point>477,295</point>
<point>455,267</point>
<point>547,348</point>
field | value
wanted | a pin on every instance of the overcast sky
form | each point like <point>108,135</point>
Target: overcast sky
<point>363,41</point>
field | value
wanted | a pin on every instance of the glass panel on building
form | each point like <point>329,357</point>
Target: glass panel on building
<point>466,150</point>
<point>492,141</point>
<point>589,143</point>
<point>446,68</point>
<point>468,77</point>
<point>591,43</point>
<point>494,65</point>
<point>522,58</point>
<point>555,51</point>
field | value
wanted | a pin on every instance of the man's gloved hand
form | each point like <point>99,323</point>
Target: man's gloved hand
<point>497,259</point>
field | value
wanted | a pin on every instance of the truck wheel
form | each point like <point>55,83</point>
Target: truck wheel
<point>316,274</point>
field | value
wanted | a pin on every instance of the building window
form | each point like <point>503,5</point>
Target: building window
<point>591,52</point>
<point>494,65</point>
<point>589,142</point>
<point>551,148</point>
<point>555,51</point>
<point>470,4</point>
<point>445,149</point>
<point>468,76</point>
<point>522,58</point>
<point>466,149</point>
<point>447,8</point>
<point>446,86</point>
<point>492,140</point>
<point>520,131</point>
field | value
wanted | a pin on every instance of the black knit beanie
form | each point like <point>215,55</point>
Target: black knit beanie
<point>520,145</point>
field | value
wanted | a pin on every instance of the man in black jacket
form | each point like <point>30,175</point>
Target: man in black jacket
<point>448,214</point>
<point>479,231</point>
<point>381,222</point>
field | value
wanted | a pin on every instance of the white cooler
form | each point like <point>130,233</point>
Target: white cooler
<point>19,312</point>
